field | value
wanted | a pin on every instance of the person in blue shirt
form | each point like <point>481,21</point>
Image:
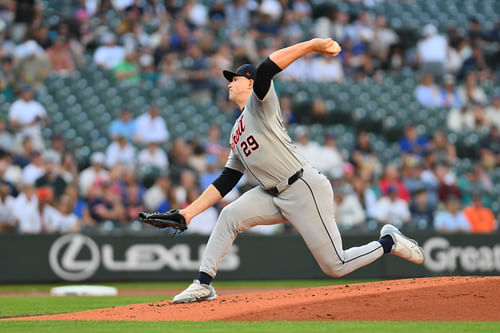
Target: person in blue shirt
<point>413,144</point>
<point>451,219</point>
<point>123,126</point>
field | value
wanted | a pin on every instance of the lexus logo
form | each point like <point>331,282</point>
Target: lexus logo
<point>63,257</point>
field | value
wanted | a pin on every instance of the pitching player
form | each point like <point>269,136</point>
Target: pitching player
<point>290,189</point>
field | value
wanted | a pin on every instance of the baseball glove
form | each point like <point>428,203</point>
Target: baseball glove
<point>172,219</point>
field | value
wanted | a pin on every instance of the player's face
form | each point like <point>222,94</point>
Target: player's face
<point>238,88</point>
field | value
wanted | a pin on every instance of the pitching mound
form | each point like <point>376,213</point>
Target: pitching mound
<point>441,299</point>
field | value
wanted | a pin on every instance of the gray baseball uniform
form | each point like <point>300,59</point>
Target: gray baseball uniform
<point>260,144</point>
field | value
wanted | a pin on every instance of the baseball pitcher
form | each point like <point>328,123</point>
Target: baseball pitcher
<point>289,189</point>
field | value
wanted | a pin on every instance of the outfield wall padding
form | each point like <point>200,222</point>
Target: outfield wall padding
<point>157,257</point>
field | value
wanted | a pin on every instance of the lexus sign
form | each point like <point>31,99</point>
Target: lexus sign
<point>65,258</point>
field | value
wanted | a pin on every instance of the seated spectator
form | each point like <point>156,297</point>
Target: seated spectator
<point>80,207</point>
<point>451,219</point>
<point>490,149</point>
<point>412,143</point>
<point>8,219</point>
<point>422,212</point>
<point>153,157</point>
<point>60,57</point>
<point>25,205</point>
<point>348,210</point>
<point>481,219</point>
<point>69,222</point>
<point>213,143</point>
<point>204,223</point>
<point>108,55</point>
<point>26,117</point>
<point>179,159</point>
<point>58,146</point>
<point>392,179</point>
<point>105,205</point>
<point>287,114</point>
<point>212,172</point>
<point>23,157</point>
<point>450,98</point>
<point>493,111</point>
<point>133,202</point>
<point>331,162</point>
<point>150,127</point>
<point>96,170</point>
<point>431,52</point>
<point>470,92</point>
<point>35,169</point>
<point>363,155</point>
<point>307,148</point>
<point>446,182</point>
<point>37,215</point>
<point>327,69</point>
<point>127,70</point>
<point>427,93</point>
<point>391,209</point>
<point>157,193</point>
<point>120,151</point>
<point>123,126</point>
<point>6,138</point>
<point>10,173</point>
<point>461,120</point>
<point>197,73</point>
<point>9,78</point>
<point>32,65</point>
<point>475,181</point>
<point>445,151</point>
<point>477,64</point>
<point>51,177</point>
<point>69,168</point>
<point>366,196</point>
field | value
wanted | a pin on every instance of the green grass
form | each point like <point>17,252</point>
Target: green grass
<point>181,285</point>
<point>244,327</point>
<point>18,306</point>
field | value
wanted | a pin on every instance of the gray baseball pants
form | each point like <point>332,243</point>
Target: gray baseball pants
<point>308,205</point>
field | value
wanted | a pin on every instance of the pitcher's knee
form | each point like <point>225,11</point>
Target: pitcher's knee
<point>334,270</point>
<point>228,218</point>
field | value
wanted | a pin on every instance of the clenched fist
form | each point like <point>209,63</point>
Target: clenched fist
<point>326,46</point>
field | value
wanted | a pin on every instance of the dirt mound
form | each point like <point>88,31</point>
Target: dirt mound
<point>443,299</point>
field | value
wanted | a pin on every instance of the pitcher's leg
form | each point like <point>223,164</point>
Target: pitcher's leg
<point>255,207</point>
<point>308,205</point>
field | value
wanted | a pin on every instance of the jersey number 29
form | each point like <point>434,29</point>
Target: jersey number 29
<point>249,145</point>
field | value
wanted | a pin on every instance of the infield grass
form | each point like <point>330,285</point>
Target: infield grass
<point>247,327</point>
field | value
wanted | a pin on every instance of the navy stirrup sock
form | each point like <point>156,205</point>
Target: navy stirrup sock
<point>204,278</point>
<point>387,243</point>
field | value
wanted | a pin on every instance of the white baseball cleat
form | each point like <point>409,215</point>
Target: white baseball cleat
<point>403,247</point>
<point>196,292</point>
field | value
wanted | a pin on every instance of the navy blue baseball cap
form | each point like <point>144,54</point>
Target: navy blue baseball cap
<point>246,70</point>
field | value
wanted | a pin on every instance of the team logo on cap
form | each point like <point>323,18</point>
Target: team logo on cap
<point>247,74</point>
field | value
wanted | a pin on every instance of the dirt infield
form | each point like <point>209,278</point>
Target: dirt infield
<point>425,299</point>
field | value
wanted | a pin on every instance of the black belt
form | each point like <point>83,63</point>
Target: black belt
<point>274,191</point>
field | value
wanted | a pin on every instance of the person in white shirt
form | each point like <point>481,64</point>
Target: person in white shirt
<point>150,127</point>
<point>311,150</point>
<point>462,119</point>
<point>327,69</point>
<point>26,117</point>
<point>153,156</point>
<point>205,222</point>
<point>120,151</point>
<point>109,54</point>
<point>90,174</point>
<point>432,52</point>
<point>390,209</point>
<point>331,162</point>
<point>349,212</point>
<point>7,217</point>
<point>35,169</point>
<point>25,208</point>
<point>157,193</point>
<point>68,222</point>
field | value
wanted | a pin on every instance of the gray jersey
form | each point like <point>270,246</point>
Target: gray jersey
<point>260,143</point>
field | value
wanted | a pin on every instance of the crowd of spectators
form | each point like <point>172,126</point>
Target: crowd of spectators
<point>44,189</point>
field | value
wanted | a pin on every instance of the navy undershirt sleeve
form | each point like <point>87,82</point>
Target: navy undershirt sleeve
<point>265,72</point>
<point>227,180</point>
